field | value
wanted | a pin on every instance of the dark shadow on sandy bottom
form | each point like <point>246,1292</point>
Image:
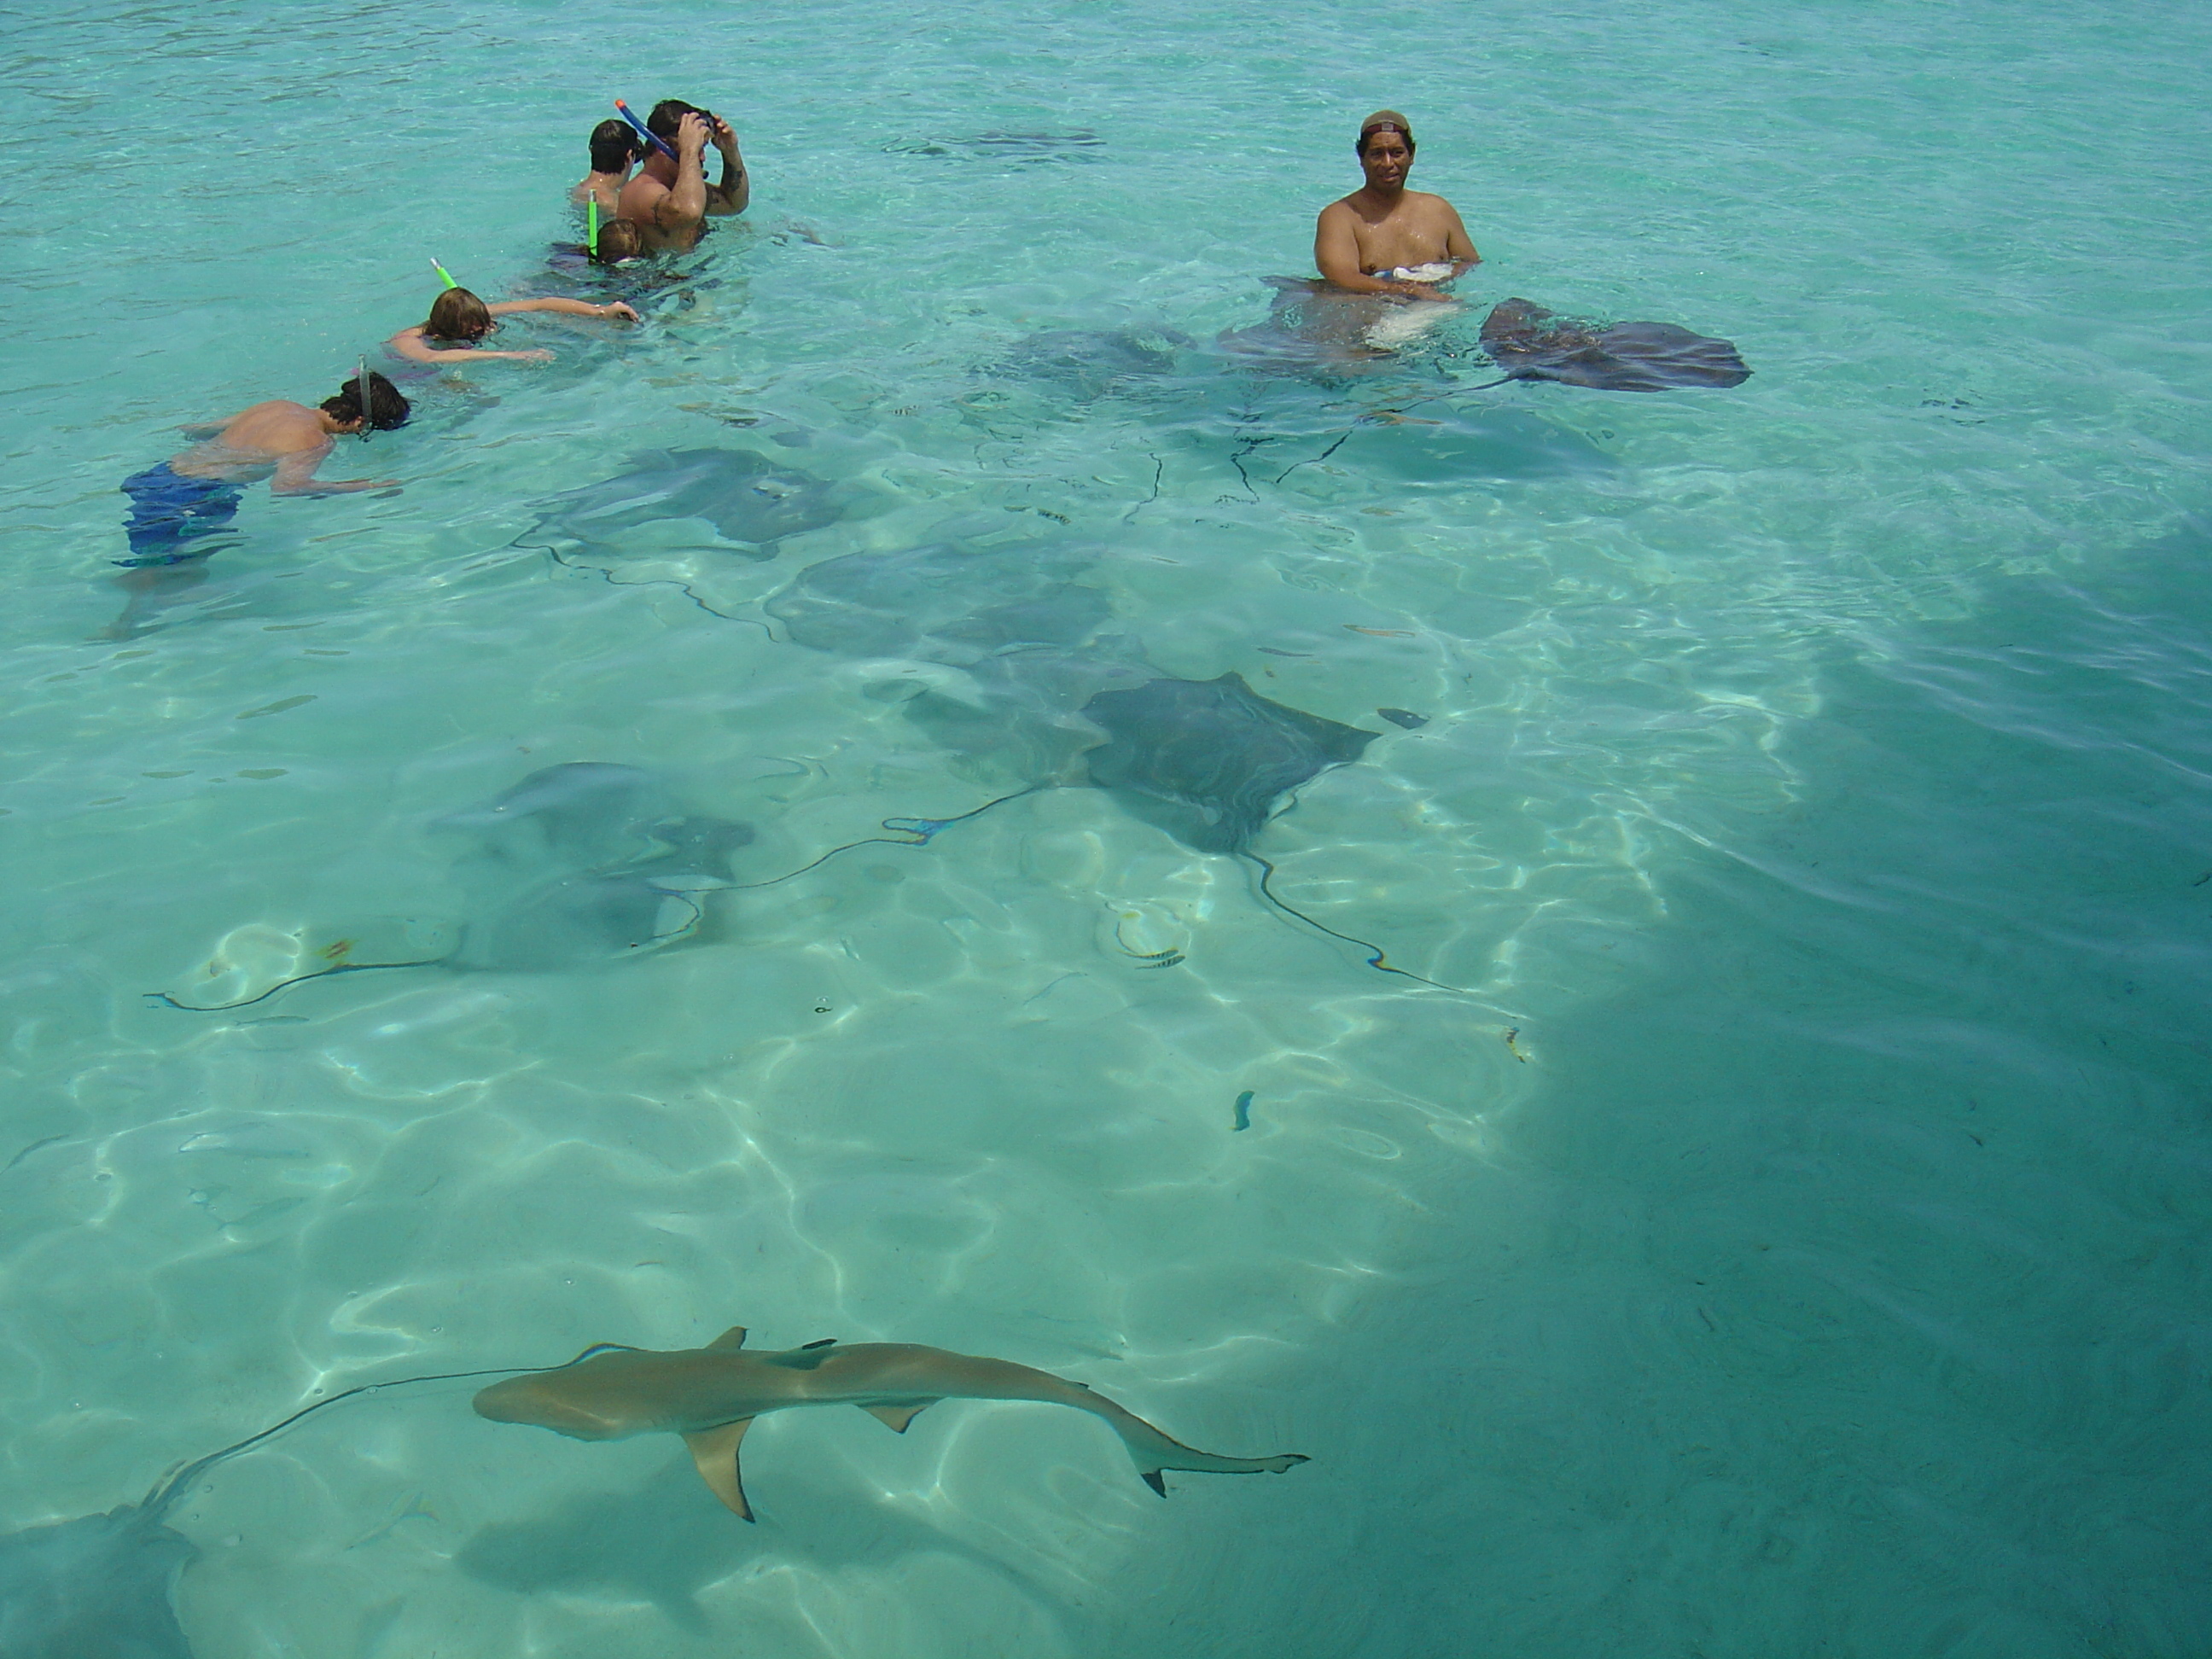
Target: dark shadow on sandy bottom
<point>668,1540</point>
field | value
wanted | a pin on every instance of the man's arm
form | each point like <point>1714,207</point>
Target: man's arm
<point>685,204</point>
<point>1336,252</point>
<point>736,189</point>
<point>1459,247</point>
<point>295,476</point>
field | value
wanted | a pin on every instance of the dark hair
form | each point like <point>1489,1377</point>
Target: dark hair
<point>615,145</point>
<point>458,314</point>
<point>387,407</point>
<point>668,115</point>
<point>618,240</point>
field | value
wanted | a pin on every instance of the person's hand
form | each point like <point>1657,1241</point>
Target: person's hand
<point>618,309</point>
<point>1423,291</point>
<point>691,134</point>
<point>724,139</point>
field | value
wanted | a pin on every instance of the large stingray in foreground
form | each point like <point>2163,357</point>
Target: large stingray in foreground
<point>99,1587</point>
<point>1206,760</point>
<point>104,1586</point>
<point>579,863</point>
<point>1531,344</point>
<point>750,500</point>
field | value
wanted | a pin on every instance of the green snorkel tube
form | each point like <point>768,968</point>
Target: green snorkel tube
<point>592,219</point>
<point>443,276</point>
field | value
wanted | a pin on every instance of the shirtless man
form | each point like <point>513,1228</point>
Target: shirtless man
<point>614,151</point>
<point>195,494</point>
<point>1384,238</point>
<point>176,506</point>
<point>671,200</point>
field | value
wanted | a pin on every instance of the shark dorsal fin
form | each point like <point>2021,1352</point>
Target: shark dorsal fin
<point>802,1359</point>
<point>715,1452</point>
<point>896,1418</point>
<point>729,1340</point>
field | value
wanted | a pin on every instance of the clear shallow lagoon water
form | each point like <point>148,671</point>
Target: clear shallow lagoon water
<point>1814,783</point>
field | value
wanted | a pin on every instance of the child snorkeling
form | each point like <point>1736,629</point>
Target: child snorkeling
<point>459,316</point>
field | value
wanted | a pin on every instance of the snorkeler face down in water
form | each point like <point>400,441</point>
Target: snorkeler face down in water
<point>459,317</point>
<point>191,495</point>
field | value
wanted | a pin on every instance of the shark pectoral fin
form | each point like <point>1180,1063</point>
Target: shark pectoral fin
<point>715,1452</point>
<point>732,1337</point>
<point>896,1418</point>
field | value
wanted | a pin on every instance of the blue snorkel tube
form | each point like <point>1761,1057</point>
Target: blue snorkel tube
<point>644,131</point>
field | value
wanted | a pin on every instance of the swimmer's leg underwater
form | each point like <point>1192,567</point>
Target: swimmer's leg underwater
<point>176,525</point>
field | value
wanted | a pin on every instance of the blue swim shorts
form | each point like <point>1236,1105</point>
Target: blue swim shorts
<point>168,511</point>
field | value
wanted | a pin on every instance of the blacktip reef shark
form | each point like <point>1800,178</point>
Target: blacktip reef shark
<point>711,1396</point>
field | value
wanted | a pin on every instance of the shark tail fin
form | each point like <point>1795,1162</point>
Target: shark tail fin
<point>715,1452</point>
<point>1184,1457</point>
<point>1153,1452</point>
<point>896,1418</point>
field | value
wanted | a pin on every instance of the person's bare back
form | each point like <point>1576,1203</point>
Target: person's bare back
<point>281,440</point>
<point>1363,242</point>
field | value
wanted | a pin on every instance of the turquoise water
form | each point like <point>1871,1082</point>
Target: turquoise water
<point>1814,784</point>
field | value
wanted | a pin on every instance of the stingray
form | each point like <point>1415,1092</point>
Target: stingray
<point>1029,643</point>
<point>585,862</point>
<point>1020,147</point>
<point>1531,344</point>
<point>1206,760</point>
<point>945,602</point>
<point>579,863</point>
<point>1088,364</point>
<point>104,1586</point>
<point>748,499</point>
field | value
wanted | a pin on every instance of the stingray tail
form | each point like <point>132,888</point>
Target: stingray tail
<point>165,1000</point>
<point>1376,957</point>
<point>168,1490</point>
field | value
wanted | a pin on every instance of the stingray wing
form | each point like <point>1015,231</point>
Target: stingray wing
<point>1532,344</point>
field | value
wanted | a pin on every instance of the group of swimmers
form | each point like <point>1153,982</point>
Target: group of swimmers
<point>647,194</point>
<point>647,176</point>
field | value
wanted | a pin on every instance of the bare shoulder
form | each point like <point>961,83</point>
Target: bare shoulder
<point>1432,204</point>
<point>277,427</point>
<point>1340,208</point>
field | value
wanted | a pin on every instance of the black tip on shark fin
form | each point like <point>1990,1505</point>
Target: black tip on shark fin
<point>1152,1479</point>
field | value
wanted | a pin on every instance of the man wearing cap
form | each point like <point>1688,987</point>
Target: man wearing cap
<point>1384,238</point>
